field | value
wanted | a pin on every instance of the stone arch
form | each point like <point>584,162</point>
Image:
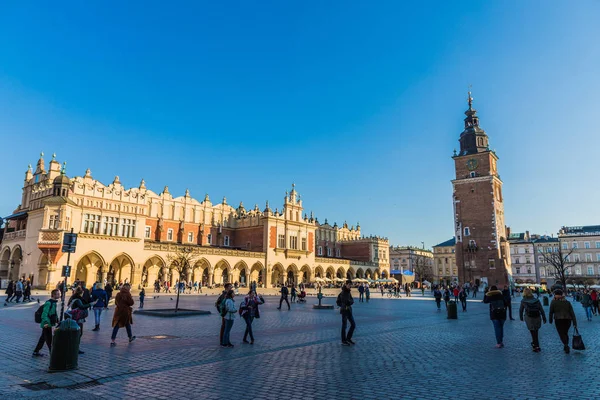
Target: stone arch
<point>152,269</point>
<point>360,273</point>
<point>89,268</point>
<point>376,274</point>
<point>291,274</point>
<point>240,270</point>
<point>277,274</point>
<point>201,271</point>
<point>305,274</point>
<point>369,273</point>
<point>340,273</point>
<point>384,274</point>
<point>330,273</point>
<point>319,273</point>
<point>222,273</point>
<point>16,258</point>
<point>4,262</point>
<point>120,269</point>
<point>350,274</point>
<point>257,273</point>
<point>43,265</point>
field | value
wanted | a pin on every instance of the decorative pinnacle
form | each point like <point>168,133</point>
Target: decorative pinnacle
<point>53,156</point>
<point>470,99</point>
<point>64,169</point>
<point>41,154</point>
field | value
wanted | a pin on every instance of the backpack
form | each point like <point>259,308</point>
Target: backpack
<point>38,314</point>
<point>498,308</point>
<point>219,301</point>
<point>532,310</point>
<point>223,308</point>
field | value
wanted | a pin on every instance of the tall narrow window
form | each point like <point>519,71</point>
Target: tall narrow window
<point>209,239</point>
<point>281,241</point>
<point>147,232</point>
<point>320,251</point>
<point>294,242</point>
<point>467,231</point>
<point>226,240</point>
<point>190,237</point>
<point>170,234</point>
<point>304,244</point>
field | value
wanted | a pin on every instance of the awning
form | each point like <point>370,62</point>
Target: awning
<point>17,215</point>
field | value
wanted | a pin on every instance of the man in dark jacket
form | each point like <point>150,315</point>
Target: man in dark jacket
<point>219,303</point>
<point>508,301</point>
<point>284,294</point>
<point>109,291</point>
<point>344,302</point>
<point>361,293</point>
<point>495,299</point>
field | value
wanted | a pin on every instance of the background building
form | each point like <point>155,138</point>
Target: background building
<point>482,252</point>
<point>584,241</point>
<point>522,256</point>
<point>413,259</point>
<point>545,245</point>
<point>130,234</point>
<point>445,270</point>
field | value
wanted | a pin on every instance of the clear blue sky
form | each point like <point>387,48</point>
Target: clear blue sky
<point>359,103</point>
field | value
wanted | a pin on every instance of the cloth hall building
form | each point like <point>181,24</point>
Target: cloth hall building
<point>130,234</point>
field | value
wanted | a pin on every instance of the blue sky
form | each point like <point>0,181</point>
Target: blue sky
<point>359,103</point>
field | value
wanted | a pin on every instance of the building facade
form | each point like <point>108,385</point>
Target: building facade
<point>130,234</point>
<point>482,252</point>
<point>445,270</point>
<point>584,241</point>
<point>413,259</point>
<point>522,257</point>
<point>545,245</point>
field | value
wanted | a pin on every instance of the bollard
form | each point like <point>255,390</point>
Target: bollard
<point>65,347</point>
<point>452,310</point>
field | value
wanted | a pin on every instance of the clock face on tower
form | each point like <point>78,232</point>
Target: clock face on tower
<point>472,164</point>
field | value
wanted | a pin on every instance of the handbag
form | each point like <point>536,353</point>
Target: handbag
<point>577,341</point>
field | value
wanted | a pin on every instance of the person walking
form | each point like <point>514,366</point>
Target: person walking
<point>249,311</point>
<point>19,289</point>
<point>284,296</point>
<point>437,295</point>
<point>562,313</point>
<point>123,317</point>
<point>27,292</point>
<point>456,292</point>
<point>446,297</point>
<point>381,288</point>
<point>49,319</point>
<point>533,313</point>
<point>495,299</point>
<point>100,297</point>
<point>345,302</point>
<point>109,292</point>
<point>475,290</point>
<point>508,301</point>
<point>361,293</point>
<point>219,304</point>
<point>462,296</point>
<point>142,297</point>
<point>586,303</point>
<point>294,293</point>
<point>594,296</point>
<point>10,290</point>
<point>230,309</point>
<point>367,293</point>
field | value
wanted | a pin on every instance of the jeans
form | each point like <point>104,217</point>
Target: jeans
<point>588,312</point>
<point>228,326</point>
<point>347,316</point>
<point>438,302</point>
<point>562,327</point>
<point>286,300</point>
<point>361,296</point>
<point>535,342</point>
<point>463,302</point>
<point>45,338</point>
<point>116,329</point>
<point>499,329</point>
<point>97,314</point>
<point>248,331</point>
<point>222,332</point>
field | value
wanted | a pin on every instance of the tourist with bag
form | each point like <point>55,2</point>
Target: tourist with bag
<point>561,312</point>
<point>532,312</point>
<point>123,317</point>
<point>100,299</point>
<point>586,303</point>
<point>78,310</point>
<point>48,317</point>
<point>495,299</point>
<point>249,311</point>
<point>218,304</point>
<point>345,302</point>
<point>229,309</point>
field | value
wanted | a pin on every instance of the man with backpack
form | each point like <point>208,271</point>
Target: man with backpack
<point>495,299</point>
<point>345,302</point>
<point>284,296</point>
<point>46,316</point>
<point>222,310</point>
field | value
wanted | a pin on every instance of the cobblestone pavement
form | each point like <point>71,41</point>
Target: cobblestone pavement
<point>404,349</point>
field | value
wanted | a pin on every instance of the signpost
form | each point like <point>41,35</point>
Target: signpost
<point>69,246</point>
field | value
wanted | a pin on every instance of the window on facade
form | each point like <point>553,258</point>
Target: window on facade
<point>576,257</point>
<point>542,271</point>
<point>170,234</point>
<point>528,261</point>
<point>467,231</point>
<point>128,227</point>
<point>492,263</point>
<point>148,232</point>
<point>226,240</point>
<point>540,259</point>
<point>565,246</point>
<point>586,245</point>
<point>517,270</point>
<point>517,260</point>
<point>575,245</point>
<point>598,245</point>
<point>588,257</point>
<point>191,237</point>
<point>54,222</point>
<point>338,253</point>
<point>472,174</point>
<point>549,250</point>
<point>91,223</point>
<point>304,244</point>
<point>529,270</point>
<point>294,242</point>
<point>590,270</point>
<point>577,270</point>
<point>67,222</point>
<point>111,226</point>
<point>281,241</point>
<point>209,239</point>
<point>329,252</point>
<point>597,256</point>
<point>320,251</point>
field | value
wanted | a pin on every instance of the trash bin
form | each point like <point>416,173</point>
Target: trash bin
<point>452,310</point>
<point>65,346</point>
<point>546,300</point>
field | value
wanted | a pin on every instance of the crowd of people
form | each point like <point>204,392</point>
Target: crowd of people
<point>19,291</point>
